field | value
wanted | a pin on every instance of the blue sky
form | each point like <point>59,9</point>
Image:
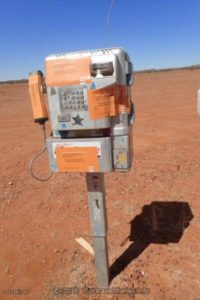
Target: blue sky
<point>156,33</point>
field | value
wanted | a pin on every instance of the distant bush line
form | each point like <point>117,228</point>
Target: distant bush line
<point>191,68</point>
<point>14,81</point>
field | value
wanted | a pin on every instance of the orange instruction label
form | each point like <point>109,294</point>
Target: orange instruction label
<point>99,103</point>
<point>77,159</point>
<point>107,102</point>
<point>65,71</point>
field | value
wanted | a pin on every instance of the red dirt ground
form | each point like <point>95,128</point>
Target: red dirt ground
<point>40,221</point>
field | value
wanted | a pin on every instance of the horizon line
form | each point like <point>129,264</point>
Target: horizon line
<point>151,70</point>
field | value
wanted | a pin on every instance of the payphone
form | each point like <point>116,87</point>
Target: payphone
<point>91,113</point>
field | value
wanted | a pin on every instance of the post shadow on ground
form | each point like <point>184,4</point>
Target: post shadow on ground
<point>159,223</point>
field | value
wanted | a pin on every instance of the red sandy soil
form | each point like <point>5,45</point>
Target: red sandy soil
<point>39,221</point>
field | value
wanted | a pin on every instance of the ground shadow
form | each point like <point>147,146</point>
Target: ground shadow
<point>160,223</point>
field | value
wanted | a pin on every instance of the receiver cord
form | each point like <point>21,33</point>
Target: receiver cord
<point>36,156</point>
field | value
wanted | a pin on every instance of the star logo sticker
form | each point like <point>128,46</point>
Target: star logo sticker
<point>77,120</point>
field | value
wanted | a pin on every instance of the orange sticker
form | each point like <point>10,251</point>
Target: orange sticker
<point>108,101</point>
<point>65,71</point>
<point>99,103</point>
<point>77,159</point>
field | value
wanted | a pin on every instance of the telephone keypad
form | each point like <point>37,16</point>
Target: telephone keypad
<point>72,98</point>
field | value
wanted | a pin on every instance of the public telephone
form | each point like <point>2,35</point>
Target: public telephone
<point>91,110</point>
<point>91,113</point>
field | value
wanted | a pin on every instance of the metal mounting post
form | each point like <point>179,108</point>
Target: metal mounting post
<point>98,220</point>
